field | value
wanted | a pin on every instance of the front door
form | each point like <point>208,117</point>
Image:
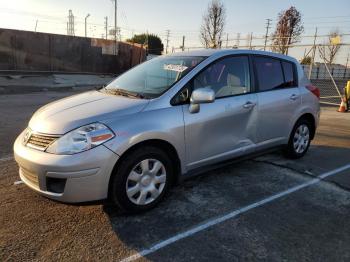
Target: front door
<point>226,127</point>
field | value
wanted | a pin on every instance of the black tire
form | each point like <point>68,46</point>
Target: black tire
<point>290,150</point>
<point>117,189</point>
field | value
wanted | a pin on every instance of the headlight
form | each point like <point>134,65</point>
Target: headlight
<point>26,135</point>
<point>81,139</point>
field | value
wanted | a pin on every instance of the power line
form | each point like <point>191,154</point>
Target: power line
<point>302,36</point>
<point>319,17</point>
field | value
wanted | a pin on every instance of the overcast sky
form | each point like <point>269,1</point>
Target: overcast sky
<point>181,17</point>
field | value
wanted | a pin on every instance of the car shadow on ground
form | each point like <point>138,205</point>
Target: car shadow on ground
<point>223,190</point>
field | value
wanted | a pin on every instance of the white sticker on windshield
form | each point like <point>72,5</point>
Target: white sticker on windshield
<point>176,68</point>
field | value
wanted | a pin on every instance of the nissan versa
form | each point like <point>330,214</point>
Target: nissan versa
<point>169,117</point>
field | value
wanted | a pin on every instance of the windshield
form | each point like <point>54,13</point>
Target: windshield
<point>154,77</point>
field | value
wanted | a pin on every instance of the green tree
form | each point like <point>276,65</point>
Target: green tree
<point>152,42</point>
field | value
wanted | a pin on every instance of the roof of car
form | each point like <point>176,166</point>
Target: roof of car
<point>222,52</point>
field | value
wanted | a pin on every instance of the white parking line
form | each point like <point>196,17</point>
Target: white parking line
<point>232,214</point>
<point>6,158</point>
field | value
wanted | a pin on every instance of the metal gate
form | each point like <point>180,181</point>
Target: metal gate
<point>330,80</point>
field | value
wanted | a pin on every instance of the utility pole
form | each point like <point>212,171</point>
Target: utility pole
<point>313,54</point>
<point>250,40</point>
<point>146,44</point>
<point>86,17</point>
<point>183,43</point>
<point>226,40</point>
<point>106,26</point>
<point>237,40</point>
<point>70,24</point>
<point>167,40</point>
<point>115,28</point>
<point>36,25</point>
<point>268,21</point>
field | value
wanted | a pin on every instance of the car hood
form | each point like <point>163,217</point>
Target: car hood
<point>66,114</point>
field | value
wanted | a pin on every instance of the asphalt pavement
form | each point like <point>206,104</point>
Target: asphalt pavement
<point>262,209</point>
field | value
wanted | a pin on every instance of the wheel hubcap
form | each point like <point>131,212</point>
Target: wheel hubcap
<point>301,138</point>
<point>146,181</point>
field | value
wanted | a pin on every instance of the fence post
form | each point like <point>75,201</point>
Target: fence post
<point>313,54</point>
<point>317,72</point>
<point>141,51</point>
<point>131,52</point>
<point>251,40</point>
<point>344,76</point>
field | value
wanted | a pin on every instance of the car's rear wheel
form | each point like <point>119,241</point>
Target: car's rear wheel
<point>299,140</point>
<point>141,179</point>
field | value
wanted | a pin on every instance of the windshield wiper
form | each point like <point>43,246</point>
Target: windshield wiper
<point>123,92</point>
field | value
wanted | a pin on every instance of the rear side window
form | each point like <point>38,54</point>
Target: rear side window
<point>269,73</point>
<point>288,70</point>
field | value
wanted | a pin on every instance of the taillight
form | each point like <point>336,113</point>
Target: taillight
<point>314,90</point>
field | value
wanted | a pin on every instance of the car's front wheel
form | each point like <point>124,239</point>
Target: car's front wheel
<point>142,179</point>
<point>299,140</point>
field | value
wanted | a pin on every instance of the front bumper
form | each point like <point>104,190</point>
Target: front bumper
<point>82,177</point>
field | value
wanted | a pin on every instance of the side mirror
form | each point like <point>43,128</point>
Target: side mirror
<point>201,96</point>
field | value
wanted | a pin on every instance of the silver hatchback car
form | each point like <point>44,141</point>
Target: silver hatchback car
<point>165,119</point>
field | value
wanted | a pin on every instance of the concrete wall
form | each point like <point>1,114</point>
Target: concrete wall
<point>24,50</point>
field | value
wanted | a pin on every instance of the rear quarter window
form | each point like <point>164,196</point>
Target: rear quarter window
<point>289,74</point>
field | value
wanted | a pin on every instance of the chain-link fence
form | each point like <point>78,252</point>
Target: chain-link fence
<point>330,79</point>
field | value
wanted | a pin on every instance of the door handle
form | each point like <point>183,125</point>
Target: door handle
<point>293,97</point>
<point>249,105</point>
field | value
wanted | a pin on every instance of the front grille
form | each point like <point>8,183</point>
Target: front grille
<point>29,177</point>
<point>40,142</point>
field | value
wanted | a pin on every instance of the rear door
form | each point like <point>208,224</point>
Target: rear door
<point>278,99</point>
